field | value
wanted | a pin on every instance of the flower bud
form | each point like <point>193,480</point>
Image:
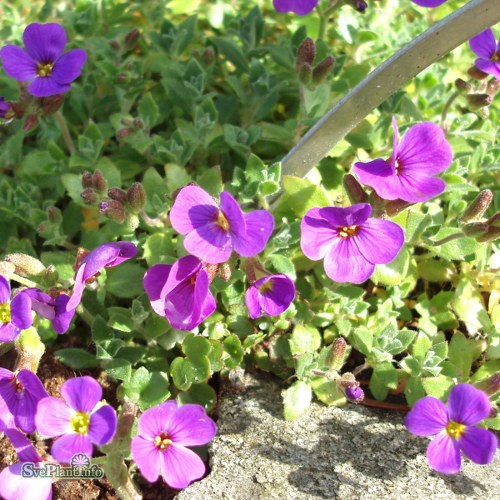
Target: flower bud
<point>89,196</point>
<point>491,234</point>
<point>394,207</point>
<point>136,197</point>
<point>225,271</point>
<point>117,194</point>
<point>114,44</point>
<point>348,381</point>
<point>131,38</point>
<point>322,70</point>
<point>138,123</point>
<point>7,269</point>
<point>113,209</point>
<point>51,104</point>
<point>354,190</point>
<point>462,86</point>
<point>359,5</point>
<point>25,265</point>
<point>492,87</point>
<point>335,358</point>
<point>132,222</point>
<point>17,109</point>
<point>305,53</point>
<point>29,349</point>
<point>54,215</point>
<point>475,229</point>
<point>124,132</point>
<point>355,394</point>
<point>211,270</point>
<point>476,73</point>
<point>208,57</point>
<point>87,179</point>
<point>490,385</point>
<point>477,101</point>
<point>305,74</point>
<point>478,207</point>
<point>30,123</point>
<point>99,182</point>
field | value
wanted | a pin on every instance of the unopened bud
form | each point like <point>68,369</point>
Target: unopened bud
<point>490,385</point>
<point>335,357</point>
<point>30,123</point>
<point>51,104</point>
<point>126,419</point>
<point>138,123</point>
<point>476,73</point>
<point>25,265</point>
<point>29,349</point>
<point>305,74</point>
<point>394,207</point>
<point>131,38</point>
<point>462,86</point>
<point>492,87</point>
<point>117,194</point>
<point>322,70</point>
<point>491,234</point>
<point>54,215</point>
<point>89,196</point>
<point>211,270</point>
<point>136,197</point>
<point>17,109</point>
<point>124,132</point>
<point>113,209</point>
<point>477,101</point>
<point>225,271</point>
<point>348,381</point>
<point>305,54</point>
<point>7,269</point>
<point>494,220</point>
<point>355,192</point>
<point>99,182</point>
<point>475,229</point>
<point>478,207</point>
<point>87,179</point>
<point>359,5</point>
<point>208,57</point>
<point>114,44</point>
<point>355,394</point>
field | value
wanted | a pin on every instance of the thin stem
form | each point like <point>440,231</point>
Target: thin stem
<point>63,127</point>
<point>449,238</point>
<point>447,106</point>
<point>85,315</point>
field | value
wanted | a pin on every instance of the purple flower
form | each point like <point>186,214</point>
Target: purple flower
<point>43,62</point>
<point>454,428</point>
<point>15,314</point>
<point>409,174</point>
<point>19,396</point>
<point>52,308</point>
<point>4,107</point>
<point>180,292</point>
<point>160,445</point>
<point>300,7</point>
<point>212,232</point>
<point>272,295</point>
<point>349,242</point>
<point>355,394</point>
<point>429,3</point>
<point>106,255</point>
<point>488,51</point>
<point>14,485</point>
<point>80,421</point>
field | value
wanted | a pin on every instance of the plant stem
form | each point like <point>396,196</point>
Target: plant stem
<point>447,106</point>
<point>451,237</point>
<point>63,127</point>
<point>23,281</point>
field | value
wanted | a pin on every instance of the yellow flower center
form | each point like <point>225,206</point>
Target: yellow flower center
<point>222,221</point>
<point>80,422</point>
<point>5,312</point>
<point>455,430</point>
<point>266,287</point>
<point>496,57</point>
<point>44,69</point>
<point>348,231</point>
<point>162,442</point>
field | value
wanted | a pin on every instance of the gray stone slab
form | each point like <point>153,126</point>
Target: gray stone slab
<point>346,453</point>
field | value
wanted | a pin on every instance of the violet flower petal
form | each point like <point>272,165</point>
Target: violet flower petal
<point>25,450</point>
<point>233,213</point>
<point>63,316</point>
<point>183,269</point>
<point>68,445</point>
<point>317,234</point>
<point>180,466</point>
<point>468,405</point>
<point>44,42</point>
<point>209,243</point>
<point>490,67</point>
<point>45,86</point>
<point>443,454</point>
<point>300,7</point>
<point>484,44</point>
<point>41,303</point>
<point>4,290</point>
<point>279,298</point>
<point>428,417</point>
<point>17,63</point>
<point>78,288</point>
<point>102,426</point>
<point>20,311</point>
<point>252,301</point>
<point>354,215</point>
<point>190,426</point>
<point>146,456</point>
<point>69,66</point>
<point>33,391</point>
<point>377,174</point>
<point>415,187</point>
<point>156,420</point>
<point>379,240</point>
<point>155,279</point>
<point>81,393</point>
<point>344,263</point>
<point>193,208</point>
<point>13,486</point>
<point>480,445</point>
<point>53,417</point>
<point>8,332</point>
<point>429,3</point>
<point>259,227</point>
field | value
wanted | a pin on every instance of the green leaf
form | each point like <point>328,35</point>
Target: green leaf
<point>460,355</point>
<point>125,281</point>
<point>362,340</point>
<point>456,249</point>
<point>120,319</point>
<point>384,377</point>
<point>148,110</point>
<point>194,346</point>
<point>304,339</point>
<point>394,272</point>
<point>421,346</point>
<point>327,391</point>
<point>159,249</point>
<point>296,400</point>
<point>283,265</point>
<point>201,394</point>
<point>155,392</point>
<point>119,369</point>
<point>233,352</point>
<point>437,386</point>
<point>414,390</point>
<point>78,359</point>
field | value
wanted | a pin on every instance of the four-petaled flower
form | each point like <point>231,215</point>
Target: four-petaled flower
<point>19,396</point>
<point>180,292</point>
<point>15,314</point>
<point>43,62</point>
<point>212,232</point>
<point>454,428</point>
<point>300,7</point>
<point>160,445</point>
<point>106,255</point>
<point>488,51</point>
<point>80,419</point>
<point>410,173</point>
<point>349,242</point>
<point>16,485</point>
<point>272,295</point>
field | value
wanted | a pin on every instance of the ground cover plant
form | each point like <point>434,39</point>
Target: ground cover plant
<point>155,240</point>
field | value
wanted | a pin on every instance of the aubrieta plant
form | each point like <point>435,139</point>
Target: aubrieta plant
<point>156,238</point>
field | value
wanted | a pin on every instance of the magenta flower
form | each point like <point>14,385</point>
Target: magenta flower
<point>4,107</point>
<point>20,481</point>
<point>349,242</point>
<point>80,419</point>
<point>300,7</point>
<point>19,396</point>
<point>355,394</point>
<point>180,292</point>
<point>15,314</point>
<point>106,255</point>
<point>212,232</point>
<point>454,428</point>
<point>429,3</point>
<point>410,173</point>
<point>43,62</point>
<point>488,51</point>
<point>52,308</point>
<point>160,445</point>
<point>272,295</point>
